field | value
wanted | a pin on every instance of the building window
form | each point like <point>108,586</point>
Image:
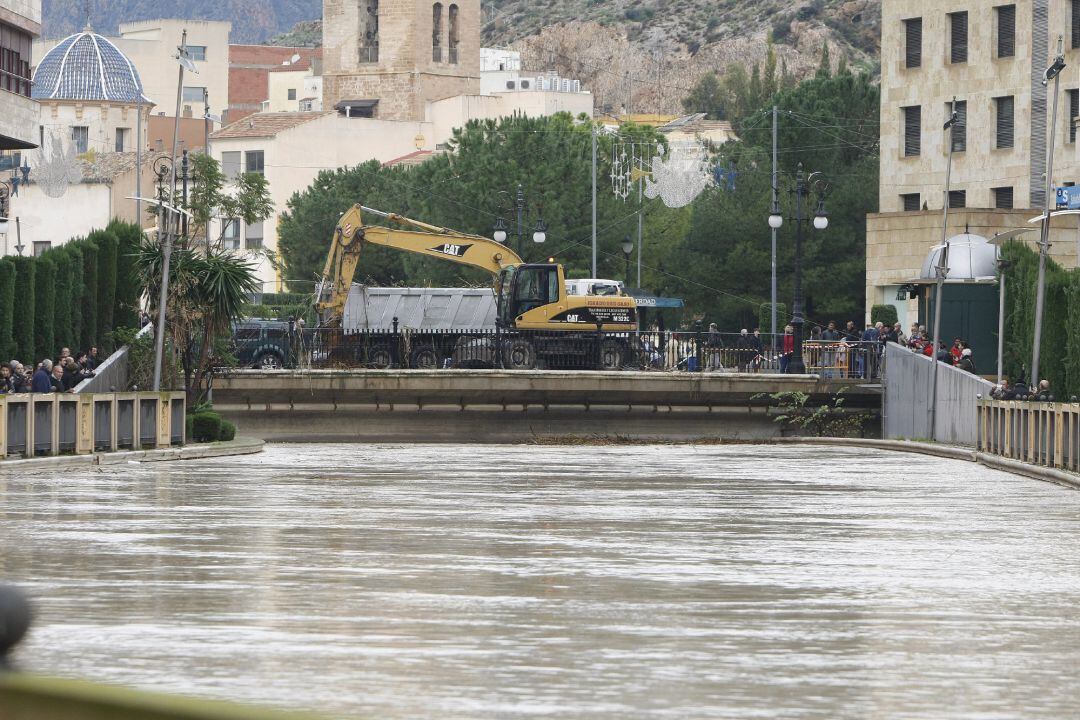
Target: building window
<point>253,162</point>
<point>1004,122</point>
<point>1003,198</point>
<point>912,130</point>
<point>197,52</point>
<point>957,198</point>
<point>122,135</point>
<point>194,94</point>
<point>1075,20</point>
<point>253,239</point>
<point>15,51</point>
<point>958,29</point>
<point>910,202</point>
<point>369,32</point>
<point>41,246</point>
<point>292,93</point>
<point>913,47</point>
<point>959,130</point>
<point>453,35</point>
<point>1074,112</point>
<point>1006,31</point>
<point>436,32</point>
<point>230,164</point>
<point>230,234</point>
<point>80,136</point>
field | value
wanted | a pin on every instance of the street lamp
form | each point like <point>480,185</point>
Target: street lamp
<point>500,231</point>
<point>628,249</point>
<point>776,220</point>
<point>804,186</point>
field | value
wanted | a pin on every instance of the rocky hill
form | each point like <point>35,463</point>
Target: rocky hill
<point>640,55</point>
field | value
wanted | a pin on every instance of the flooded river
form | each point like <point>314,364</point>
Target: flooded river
<point>399,582</point>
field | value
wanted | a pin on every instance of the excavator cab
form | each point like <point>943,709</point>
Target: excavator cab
<point>522,288</point>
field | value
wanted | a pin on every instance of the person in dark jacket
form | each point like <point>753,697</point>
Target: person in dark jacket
<point>967,362</point>
<point>42,381</point>
<point>57,379</point>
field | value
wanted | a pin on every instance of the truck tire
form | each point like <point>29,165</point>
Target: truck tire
<point>612,354</point>
<point>424,359</point>
<point>379,357</point>
<point>519,354</point>
<point>269,361</point>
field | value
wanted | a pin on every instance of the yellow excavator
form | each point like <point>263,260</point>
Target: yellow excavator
<point>535,315</point>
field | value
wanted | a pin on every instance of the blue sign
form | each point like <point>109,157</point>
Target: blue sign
<point>1068,198</point>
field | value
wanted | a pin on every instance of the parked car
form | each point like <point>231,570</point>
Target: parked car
<point>265,344</point>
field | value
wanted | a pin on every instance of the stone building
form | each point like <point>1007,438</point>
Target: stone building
<point>388,58</point>
<point>20,24</point>
<point>991,57</point>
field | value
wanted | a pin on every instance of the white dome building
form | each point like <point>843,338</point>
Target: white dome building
<point>89,93</point>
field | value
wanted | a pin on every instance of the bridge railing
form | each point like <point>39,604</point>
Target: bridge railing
<point>1041,433</point>
<point>49,424</point>
<point>587,349</point>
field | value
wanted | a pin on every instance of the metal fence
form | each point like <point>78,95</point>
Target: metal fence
<point>1041,433</point>
<point>660,351</point>
<point>909,403</point>
<point>37,425</point>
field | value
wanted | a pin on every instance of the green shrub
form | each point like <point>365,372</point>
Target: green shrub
<point>765,317</point>
<point>106,284</point>
<point>128,290</point>
<point>189,427</point>
<point>64,303</point>
<point>44,308</point>
<point>7,300</point>
<point>75,253</point>
<point>205,426</point>
<point>88,302</point>
<point>885,314</point>
<point>228,431</point>
<point>22,318</point>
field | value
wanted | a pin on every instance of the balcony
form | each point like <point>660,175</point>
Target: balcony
<point>18,121</point>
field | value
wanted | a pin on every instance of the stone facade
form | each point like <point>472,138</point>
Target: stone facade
<point>403,71</point>
<point>898,241</point>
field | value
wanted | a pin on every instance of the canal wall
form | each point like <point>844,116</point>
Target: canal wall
<point>239,446</point>
<point>514,407</point>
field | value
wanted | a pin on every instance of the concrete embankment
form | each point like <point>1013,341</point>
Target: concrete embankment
<point>239,446</point>
<point>464,406</point>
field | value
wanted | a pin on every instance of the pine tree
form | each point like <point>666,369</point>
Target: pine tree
<point>825,68</point>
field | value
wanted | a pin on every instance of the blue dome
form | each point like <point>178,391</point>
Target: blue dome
<point>86,66</point>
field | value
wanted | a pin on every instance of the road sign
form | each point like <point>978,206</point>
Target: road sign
<point>1068,197</point>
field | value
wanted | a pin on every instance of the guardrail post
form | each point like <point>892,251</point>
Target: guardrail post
<point>395,347</point>
<point>84,423</point>
<point>164,419</point>
<point>3,426</point>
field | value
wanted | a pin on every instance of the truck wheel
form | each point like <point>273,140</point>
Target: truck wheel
<point>269,361</point>
<point>520,355</point>
<point>424,359</point>
<point>611,355</point>
<point>380,357</point>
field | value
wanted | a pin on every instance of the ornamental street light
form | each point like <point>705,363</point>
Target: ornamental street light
<point>500,230</point>
<point>817,184</point>
<point>628,250</point>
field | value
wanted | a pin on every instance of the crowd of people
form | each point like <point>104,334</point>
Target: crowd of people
<point>959,354</point>
<point>49,376</point>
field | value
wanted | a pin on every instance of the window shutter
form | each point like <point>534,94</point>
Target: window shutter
<point>1074,111</point>
<point>957,198</point>
<point>1003,198</point>
<point>1006,31</point>
<point>912,131</point>
<point>1004,122</point>
<point>1075,23</point>
<point>911,202</point>
<point>913,54</point>
<point>959,23</point>
<point>959,130</point>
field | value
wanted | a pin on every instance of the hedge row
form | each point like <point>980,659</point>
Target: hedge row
<point>72,295</point>
<point>1059,356</point>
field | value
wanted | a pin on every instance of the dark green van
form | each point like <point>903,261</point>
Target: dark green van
<point>264,344</point>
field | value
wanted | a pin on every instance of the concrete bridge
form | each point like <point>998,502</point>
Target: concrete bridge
<point>458,406</point>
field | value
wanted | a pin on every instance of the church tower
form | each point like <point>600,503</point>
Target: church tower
<point>401,53</point>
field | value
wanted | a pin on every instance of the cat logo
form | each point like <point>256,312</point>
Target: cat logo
<point>572,318</point>
<point>451,250</point>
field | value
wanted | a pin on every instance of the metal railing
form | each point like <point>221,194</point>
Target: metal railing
<point>112,375</point>
<point>46,424</point>
<point>1040,433</point>
<point>587,349</point>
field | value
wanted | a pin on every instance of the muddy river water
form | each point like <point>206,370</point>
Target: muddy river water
<point>400,582</point>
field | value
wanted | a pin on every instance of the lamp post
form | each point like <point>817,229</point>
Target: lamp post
<point>628,249</point>
<point>804,186</point>
<point>1052,73</point>
<point>500,229</point>
<point>163,168</point>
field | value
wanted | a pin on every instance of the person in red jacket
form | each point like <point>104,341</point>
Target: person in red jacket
<point>956,350</point>
<point>788,348</point>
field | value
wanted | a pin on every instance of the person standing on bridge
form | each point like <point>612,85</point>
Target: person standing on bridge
<point>788,348</point>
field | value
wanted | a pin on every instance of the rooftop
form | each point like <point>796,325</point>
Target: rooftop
<point>87,66</point>
<point>266,124</point>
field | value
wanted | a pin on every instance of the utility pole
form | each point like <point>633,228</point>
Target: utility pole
<point>1054,71</point>
<point>179,99</point>
<point>138,157</point>
<point>941,271</point>
<point>594,199</point>
<point>776,207</point>
<point>640,223</point>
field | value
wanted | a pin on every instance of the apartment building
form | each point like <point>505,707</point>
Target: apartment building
<point>20,24</point>
<point>988,57</point>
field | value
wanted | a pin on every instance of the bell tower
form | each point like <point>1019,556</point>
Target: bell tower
<point>401,53</point>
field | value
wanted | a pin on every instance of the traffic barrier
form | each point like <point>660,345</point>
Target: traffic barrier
<point>42,425</point>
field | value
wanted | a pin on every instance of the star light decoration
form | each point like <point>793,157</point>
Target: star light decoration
<point>58,168</point>
<point>681,177</point>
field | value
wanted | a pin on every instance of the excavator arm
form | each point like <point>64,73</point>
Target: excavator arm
<point>431,240</point>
